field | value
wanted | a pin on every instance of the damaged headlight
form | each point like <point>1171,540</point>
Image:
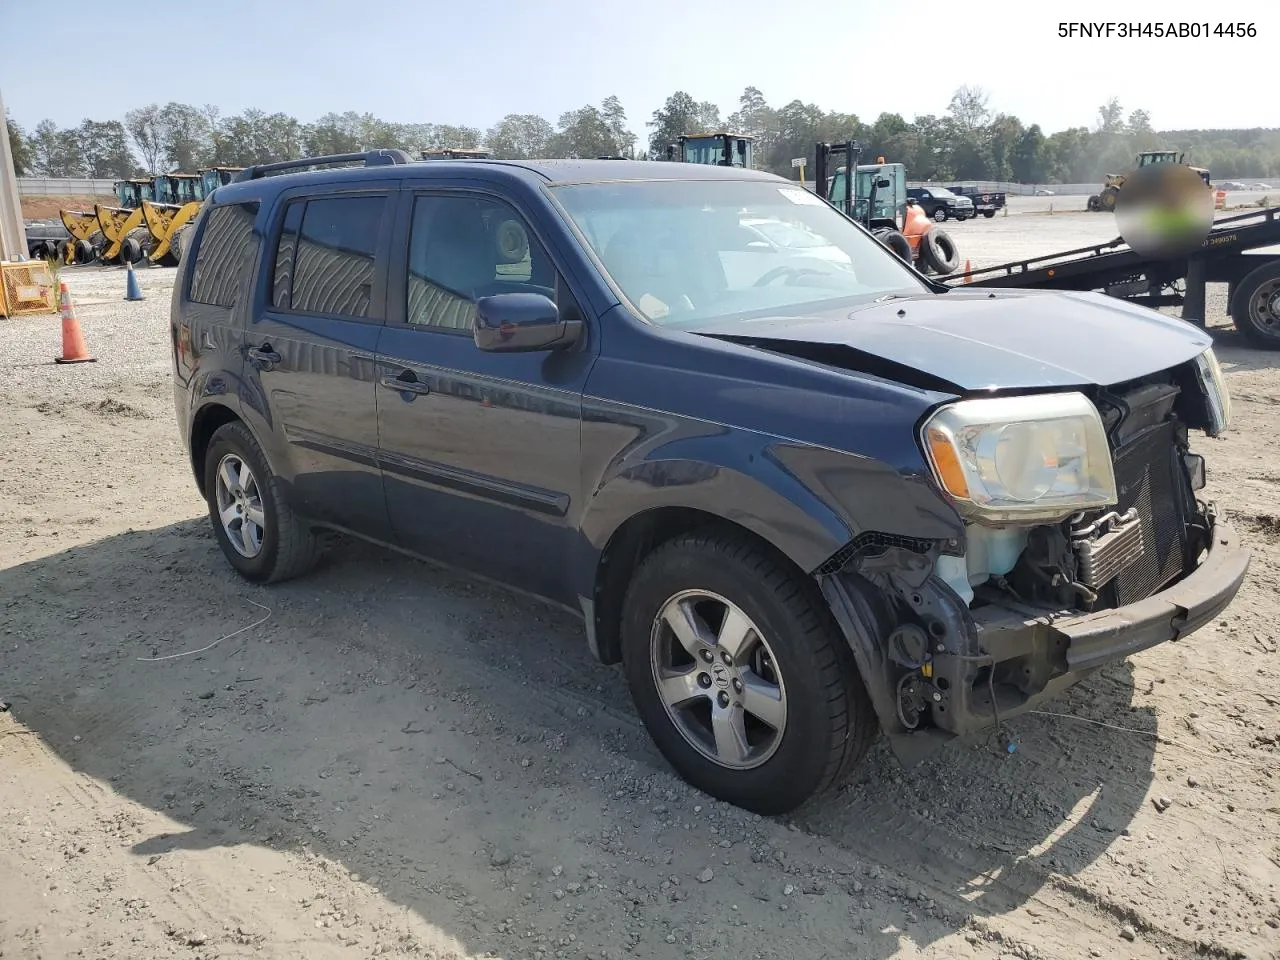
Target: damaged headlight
<point>1021,459</point>
<point>1215,389</point>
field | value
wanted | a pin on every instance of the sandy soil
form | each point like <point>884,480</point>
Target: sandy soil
<point>46,208</point>
<point>384,760</point>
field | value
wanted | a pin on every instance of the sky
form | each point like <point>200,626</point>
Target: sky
<point>474,62</point>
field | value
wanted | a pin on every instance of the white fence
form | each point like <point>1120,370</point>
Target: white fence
<point>1016,189</point>
<point>70,187</point>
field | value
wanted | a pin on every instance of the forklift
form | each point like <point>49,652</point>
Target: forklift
<point>715,149</point>
<point>876,198</point>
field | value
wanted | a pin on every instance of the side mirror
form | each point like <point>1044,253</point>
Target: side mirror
<point>522,323</point>
<point>884,183</point>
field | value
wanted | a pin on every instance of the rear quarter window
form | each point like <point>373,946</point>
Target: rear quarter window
<point>225,255</point>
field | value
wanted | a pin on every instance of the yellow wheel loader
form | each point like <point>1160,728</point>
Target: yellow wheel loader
<point>1105,199</point>
<point>126,237</point>
<point>85,238</point>
<point>178,200</point>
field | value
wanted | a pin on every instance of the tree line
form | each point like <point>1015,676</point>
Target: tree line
<point>969,141</point>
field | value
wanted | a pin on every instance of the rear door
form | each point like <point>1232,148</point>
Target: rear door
<point>480,451</point>
<point>310,349</point>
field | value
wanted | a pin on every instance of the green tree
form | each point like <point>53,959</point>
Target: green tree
<point>680,115</point>
<point>19,147</point>
<point>520,136</point>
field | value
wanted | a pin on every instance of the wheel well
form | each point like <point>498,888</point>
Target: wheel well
<point>630,544</point>
<point>207,422</point>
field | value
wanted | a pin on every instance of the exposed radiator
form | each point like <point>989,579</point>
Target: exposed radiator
<point>1147,479</point>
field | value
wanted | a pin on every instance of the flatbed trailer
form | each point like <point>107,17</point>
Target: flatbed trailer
<point>1232,253</point>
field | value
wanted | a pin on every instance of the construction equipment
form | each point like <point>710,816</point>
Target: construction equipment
<point>718,149</point>
<point>85,237</point>
<point>178,200</point>
<point>876,197</point>
<point>126,238</point>
<point>1105,199</point>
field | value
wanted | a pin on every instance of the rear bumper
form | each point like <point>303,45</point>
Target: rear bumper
<point>1037,657</point>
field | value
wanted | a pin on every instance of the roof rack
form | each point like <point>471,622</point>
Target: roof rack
<point>371,158</point>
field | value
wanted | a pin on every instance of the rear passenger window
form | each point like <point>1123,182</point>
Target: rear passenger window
<point>225,256</point>
<point>325,260</point>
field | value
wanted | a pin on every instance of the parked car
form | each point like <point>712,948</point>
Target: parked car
<point>1044,192</point>
<point>789,497</point>
<point>941,204</point>
<point>1233,185</point>
<point>985,202</point>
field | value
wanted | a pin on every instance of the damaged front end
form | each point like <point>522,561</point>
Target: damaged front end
<point>1085,541</point>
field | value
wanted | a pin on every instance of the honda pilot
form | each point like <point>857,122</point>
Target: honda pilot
<point>803,495</point>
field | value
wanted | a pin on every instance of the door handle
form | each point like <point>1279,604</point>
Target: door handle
<point>402,384</point>
<point>263,357</point>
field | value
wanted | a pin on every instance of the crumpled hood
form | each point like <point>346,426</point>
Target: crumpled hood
<point>993,339</point>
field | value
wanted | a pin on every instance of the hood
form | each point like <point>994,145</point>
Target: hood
<point>977,340</point>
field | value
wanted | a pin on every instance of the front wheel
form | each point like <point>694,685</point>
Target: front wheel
<point>988,214</point>
<point>740,673</point>
<point>940,215</point>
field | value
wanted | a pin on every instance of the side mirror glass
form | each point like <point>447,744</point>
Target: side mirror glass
<point>522,323</point>
<point>884,183</point>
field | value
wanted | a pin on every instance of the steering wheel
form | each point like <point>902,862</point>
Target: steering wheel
<point>784,271</point>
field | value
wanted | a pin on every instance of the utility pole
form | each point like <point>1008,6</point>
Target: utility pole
<point>13,232</point>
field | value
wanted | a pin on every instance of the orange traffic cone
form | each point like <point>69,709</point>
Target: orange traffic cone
<point>967,269</point>
<point>73,348</point>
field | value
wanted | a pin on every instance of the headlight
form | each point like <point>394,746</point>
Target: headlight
<point>1021,459</point>
<point>1215,389</point>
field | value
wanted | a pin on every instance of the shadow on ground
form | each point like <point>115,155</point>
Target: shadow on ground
<point>452,744</point>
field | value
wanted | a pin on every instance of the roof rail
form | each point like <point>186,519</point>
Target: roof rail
<point>371,158</point>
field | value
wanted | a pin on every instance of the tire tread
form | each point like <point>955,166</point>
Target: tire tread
<point>851,721</point>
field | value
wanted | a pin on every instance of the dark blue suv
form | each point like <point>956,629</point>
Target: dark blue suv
<point>801,492</point>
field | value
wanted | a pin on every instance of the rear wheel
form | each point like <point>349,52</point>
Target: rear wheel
<point>988,214</point>
<point>1255,306</point>
<point>740,674</point>
<point>253,521</point>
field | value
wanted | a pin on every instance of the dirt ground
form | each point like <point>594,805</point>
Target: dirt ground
<point>46,208</point>
<point>385,760</point>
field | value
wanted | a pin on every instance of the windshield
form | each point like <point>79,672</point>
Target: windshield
<point>682,254</point>
<point>940,192</point>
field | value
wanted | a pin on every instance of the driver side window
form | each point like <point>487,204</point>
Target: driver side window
<point>463,248</point>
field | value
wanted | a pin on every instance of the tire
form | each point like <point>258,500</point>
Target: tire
<point>988,214</point>
<point>824,714</point>
<point>1094,204</point>
<point>175,244</point>
<point>64,250</point>
<point>896,242</point>
<point>1255,306</point>
<point>85,252</point>
<point>939,251</point>
<point>130,251</point>
<point>286,546</point>
<point>940,215</point>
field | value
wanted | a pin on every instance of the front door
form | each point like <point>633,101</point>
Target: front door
<point>479,451</point>
<point>311,351</point>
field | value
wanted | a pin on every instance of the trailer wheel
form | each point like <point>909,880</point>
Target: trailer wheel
<point>939,251</point>
<point>896,242</point>
<point>1255,308</point>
